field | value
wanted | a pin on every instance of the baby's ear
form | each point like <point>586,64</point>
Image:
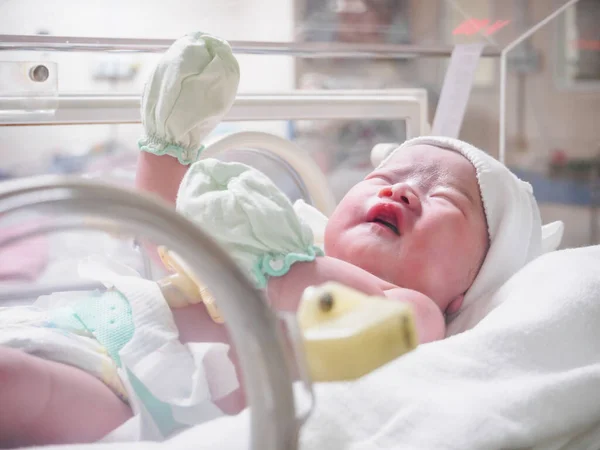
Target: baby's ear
<point>455,305</point>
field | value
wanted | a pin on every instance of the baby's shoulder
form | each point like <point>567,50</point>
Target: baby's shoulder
<point>408,295</point>
<point>429,318</point>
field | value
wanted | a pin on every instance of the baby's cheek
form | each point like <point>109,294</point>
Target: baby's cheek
<point>462,254</point>
<point>435,253</point>
<point>457,248</point>
<point>334,235</point>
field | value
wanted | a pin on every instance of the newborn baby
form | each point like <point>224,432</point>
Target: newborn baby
<point>415,226</point>
<point>416,230</point>
<point>438,224</point>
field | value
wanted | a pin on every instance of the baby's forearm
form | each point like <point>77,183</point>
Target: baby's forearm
<point>284,293</point>
<point>160,175</point>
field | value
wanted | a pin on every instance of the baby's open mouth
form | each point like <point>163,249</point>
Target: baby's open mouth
<point>390,225</point>
<point>386,214</point>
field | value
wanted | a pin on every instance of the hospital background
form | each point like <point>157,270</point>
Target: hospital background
<point>552,97</point>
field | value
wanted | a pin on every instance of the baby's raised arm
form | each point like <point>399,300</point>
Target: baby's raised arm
<point>160,175</point>
<point>186,96</point>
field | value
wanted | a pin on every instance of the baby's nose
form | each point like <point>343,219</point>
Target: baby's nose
<point>386,192</point>
<point>402,193</point>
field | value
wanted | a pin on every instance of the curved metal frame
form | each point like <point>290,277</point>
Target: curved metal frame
<point>251,323</point>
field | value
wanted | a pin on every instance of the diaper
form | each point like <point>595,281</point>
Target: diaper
<point>245,212</point>
<point>32,330</point>
<point>127,338</point>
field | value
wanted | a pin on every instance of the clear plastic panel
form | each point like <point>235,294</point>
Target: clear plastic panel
<point>28,88</point>
<point>553,105</point>
<point>339,148</point>
<point>124,73</point>
<point>386,38</point>
<point>232,19</point>
<point>427,24</point>
<point>551,87</point>
<point>401,22</point>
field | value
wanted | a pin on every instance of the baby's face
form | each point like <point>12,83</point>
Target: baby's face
<point>418,222</point>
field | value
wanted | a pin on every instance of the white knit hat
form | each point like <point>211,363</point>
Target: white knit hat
<point>513,219</point>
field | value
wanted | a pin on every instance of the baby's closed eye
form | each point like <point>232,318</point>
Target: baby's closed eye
<point>452,198</point>
<point>379,177</point>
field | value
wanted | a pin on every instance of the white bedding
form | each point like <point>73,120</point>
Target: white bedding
<point>528,376</point>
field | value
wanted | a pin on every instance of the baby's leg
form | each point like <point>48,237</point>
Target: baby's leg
<point>45,402</point>
<point>195,325</point>
<point>160,175</point>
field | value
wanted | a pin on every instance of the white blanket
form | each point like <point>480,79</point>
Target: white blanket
<point>528,376</point>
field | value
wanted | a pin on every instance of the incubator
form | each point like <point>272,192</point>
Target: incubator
<point>106,222</point>
<point>86,210</point>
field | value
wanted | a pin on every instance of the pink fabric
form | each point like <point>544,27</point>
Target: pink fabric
<point>23,260</point>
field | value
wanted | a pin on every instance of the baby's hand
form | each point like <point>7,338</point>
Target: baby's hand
<point>245,212</point>
<point>192,87</point>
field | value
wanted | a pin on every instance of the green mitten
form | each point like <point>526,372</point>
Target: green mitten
<point>188,93</point>
<point>243,210</point>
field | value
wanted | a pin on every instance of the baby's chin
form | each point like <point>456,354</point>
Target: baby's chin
<point>337,246</point>
<point>333,234</point>
<point>350,248</point>
<point>345,242</point>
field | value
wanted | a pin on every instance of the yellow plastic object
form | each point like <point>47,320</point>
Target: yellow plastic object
<point>348,334</point>
<point>188,284</point>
